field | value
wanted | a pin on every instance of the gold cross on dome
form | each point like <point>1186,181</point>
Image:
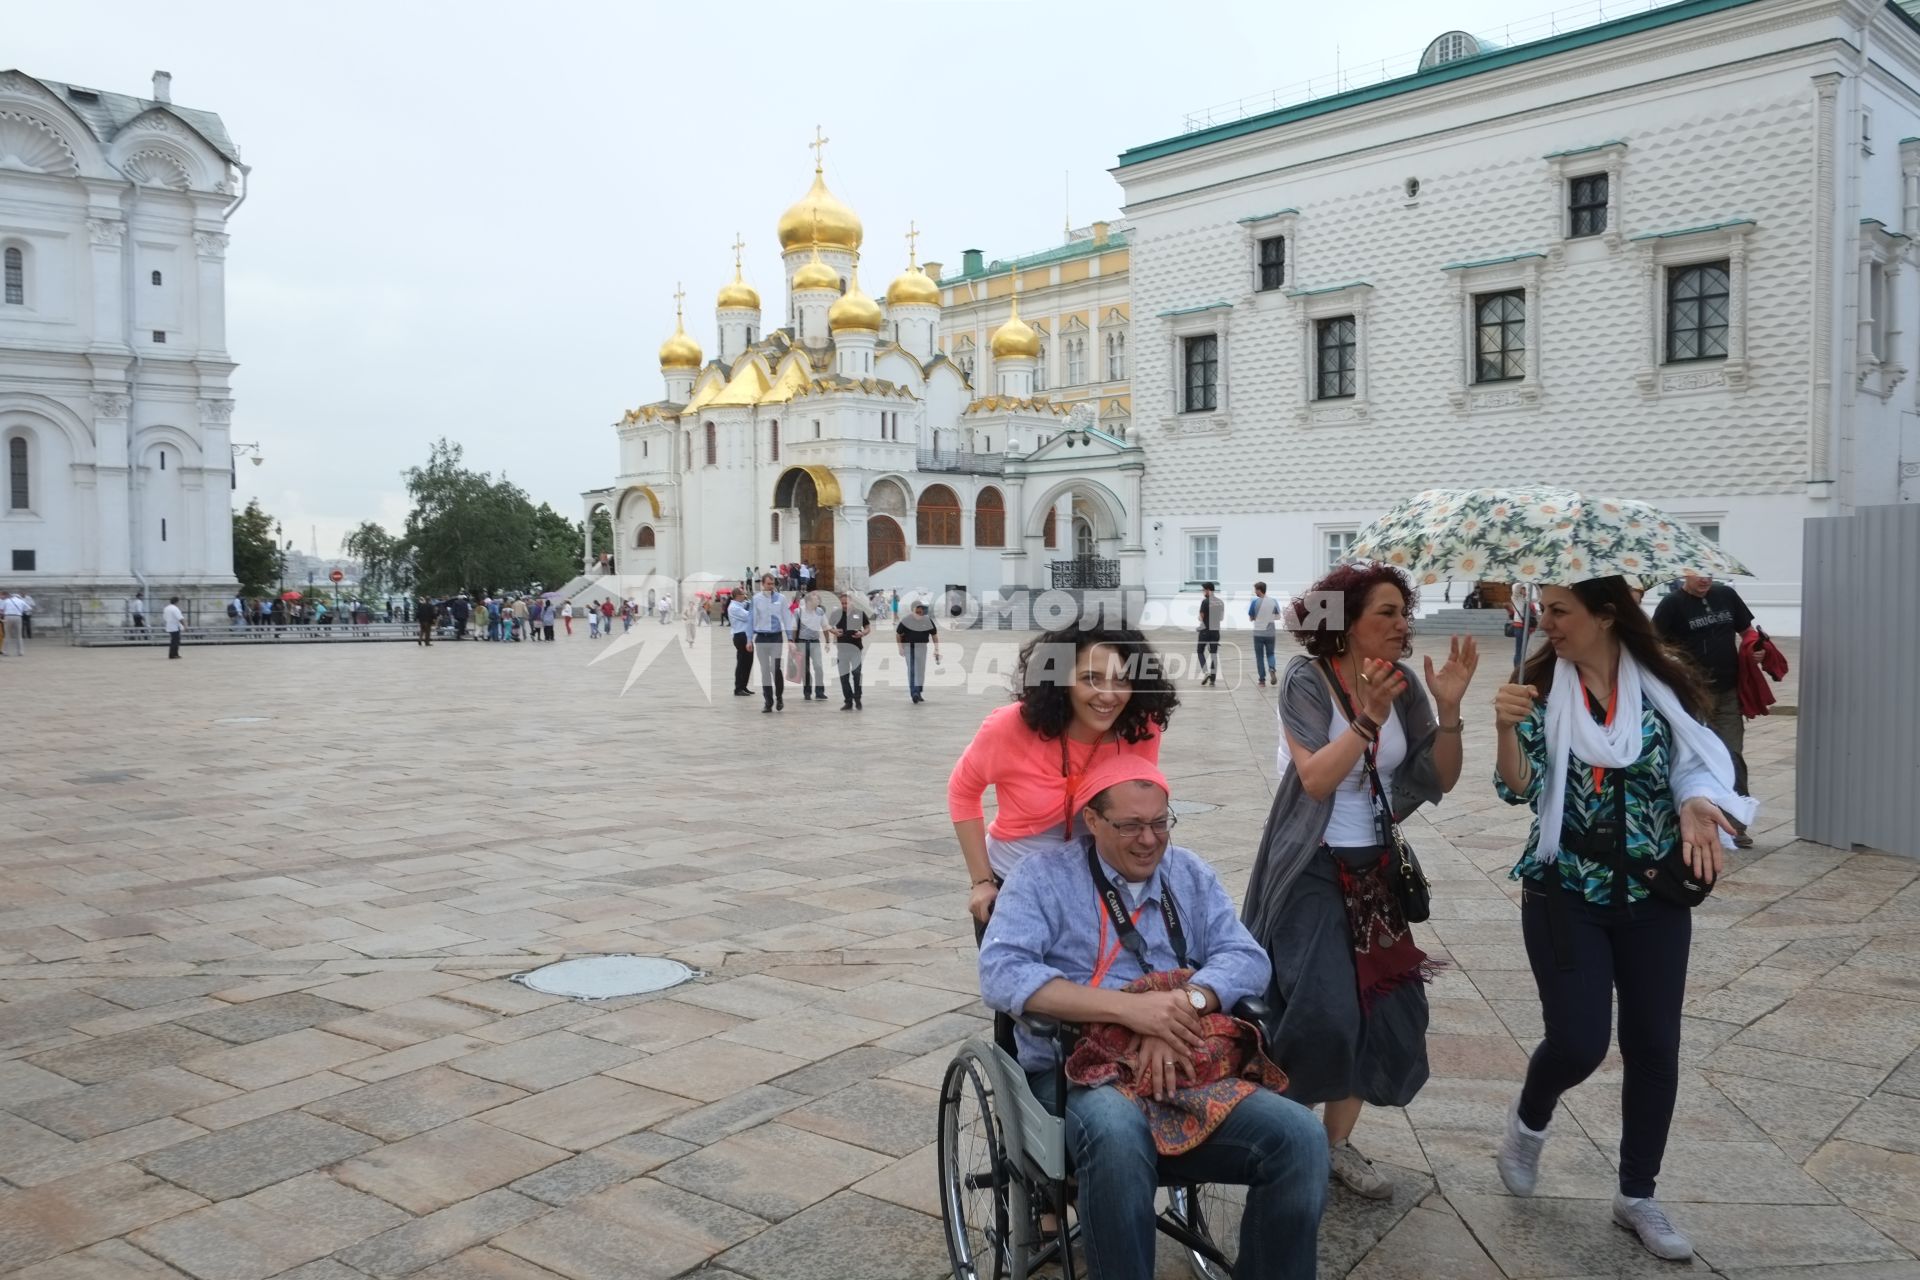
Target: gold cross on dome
<point>738,245</point>
<point>679,296</point>
<point>913,243</point>
<point>818,146</point>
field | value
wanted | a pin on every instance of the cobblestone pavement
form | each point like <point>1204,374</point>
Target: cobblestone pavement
<point>257,909</point>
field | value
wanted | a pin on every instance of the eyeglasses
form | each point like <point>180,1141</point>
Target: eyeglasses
<point>1132,830</point>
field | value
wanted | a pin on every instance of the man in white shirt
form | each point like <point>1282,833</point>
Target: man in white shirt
<point>137,611</point>
<point>770,623</point>
<point>13,614</point>
<point>665,605</point>
<point>237,612</point>
<point>175,622</point>
<point>1264,612</point>
<point>740,621</point>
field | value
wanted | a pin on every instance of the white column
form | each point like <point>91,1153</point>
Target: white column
<point>850,546</point>
<point>114,491</point>
<point>109,283</point>
<point>211,286</point>
<point>219,498</point>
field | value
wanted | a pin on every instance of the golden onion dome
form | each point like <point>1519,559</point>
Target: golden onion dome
<point>738,295</point>
<point>913,288</point>
<point>819,217</point>
<point>854,310</point>
<point>680,351</point>
<point>816,275</point>
<point>1016,340</point>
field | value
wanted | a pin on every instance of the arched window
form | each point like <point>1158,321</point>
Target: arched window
<point>938,524</point>
<point>1083,543</point>
<point>20,495</point>
<point>689,450</point>
<point>886,543</point>
<point>1116,357</point>
<point>643,539</point>
<point>1051,534</point>
<point>16,277</point>
<point>989,519</point>
<point>156,277</point>
<point>1040,370</point>
<point>776,528</point>
<point>773,438</point>
<point>713,446</point>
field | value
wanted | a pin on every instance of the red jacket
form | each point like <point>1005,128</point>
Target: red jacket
<point>1759,659</point>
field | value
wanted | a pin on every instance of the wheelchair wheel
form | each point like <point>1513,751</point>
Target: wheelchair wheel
<point>1212,1212</point>
<point>974,1174</point>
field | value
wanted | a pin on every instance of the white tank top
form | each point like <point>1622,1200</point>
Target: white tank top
<point>1352,824</point>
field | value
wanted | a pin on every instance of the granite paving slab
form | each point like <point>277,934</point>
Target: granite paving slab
<point>257,1154</point>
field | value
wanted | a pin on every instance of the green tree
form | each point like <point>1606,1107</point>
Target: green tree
<point>377,552</point>
<point>603,534</point>
<point>256,558</point>
<point>466,531</point>
<point>557,542</point>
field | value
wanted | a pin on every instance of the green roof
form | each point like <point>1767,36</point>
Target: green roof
<point>1190,311</point>
<point>1263,217</point>
<point>1581,151</point>
<point>1445,73</point>
<point>1492,262</point>
<point>1046,257</point>
<point>1330,288</point>
<point>1688,231</point>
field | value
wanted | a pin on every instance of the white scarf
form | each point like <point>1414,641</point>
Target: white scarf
<point>1701,764</point>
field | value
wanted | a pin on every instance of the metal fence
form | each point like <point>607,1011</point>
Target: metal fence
<point>1086,571</point>
<point>1858,772</point>
<point>962,461</point>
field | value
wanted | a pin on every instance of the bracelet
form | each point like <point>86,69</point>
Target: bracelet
<point>982,880</point>
<point>1456,727</point>
<point>1368,731</point>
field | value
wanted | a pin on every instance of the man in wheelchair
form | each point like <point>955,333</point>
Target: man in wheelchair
<point>1064,945</point>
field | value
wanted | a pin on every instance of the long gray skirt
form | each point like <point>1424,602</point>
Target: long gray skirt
<point>1319,1037</point>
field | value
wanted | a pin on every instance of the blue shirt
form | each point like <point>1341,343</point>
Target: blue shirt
<point>770,614</point>
<point>739,617</point>
<point>1046,925</point>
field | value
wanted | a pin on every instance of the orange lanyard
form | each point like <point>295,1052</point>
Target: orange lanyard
<point>1599,772</point>
<point>1106,957</point>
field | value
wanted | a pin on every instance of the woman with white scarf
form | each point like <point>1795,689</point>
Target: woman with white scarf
<point>1606,723</point>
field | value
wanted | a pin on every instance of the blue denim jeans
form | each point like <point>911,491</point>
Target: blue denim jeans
<point>1263,657</point>
<point>916,670</point>
<point>1273,1145</point>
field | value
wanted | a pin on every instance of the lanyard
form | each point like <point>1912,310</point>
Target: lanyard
<point>1599,771</point>
<point>1123,925</point>
<point>1347,698</point>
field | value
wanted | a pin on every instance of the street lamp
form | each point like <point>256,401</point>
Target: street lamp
<point>280,556</point>
<point>242,447</point>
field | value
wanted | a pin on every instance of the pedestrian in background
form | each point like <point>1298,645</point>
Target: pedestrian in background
<point>1213,610</point>
<point>175,624</point>
<point>1706,620</point>
<point>740,622</point>
<point>912,635</point>
<point>1264,613</point>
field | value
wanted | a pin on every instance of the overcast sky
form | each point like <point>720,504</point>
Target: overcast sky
<point>467,219</point>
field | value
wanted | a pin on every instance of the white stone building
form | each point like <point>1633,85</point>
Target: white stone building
<point>836,432</point>
<point>1665,257</point>
<point>114,403</point>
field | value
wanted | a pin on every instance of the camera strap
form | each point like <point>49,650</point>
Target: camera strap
<point>1123,924</point>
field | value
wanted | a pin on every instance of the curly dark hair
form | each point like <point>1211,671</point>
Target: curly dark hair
<point>1612,598</point>
<point>1045,674</point>
<point>1353,583</point>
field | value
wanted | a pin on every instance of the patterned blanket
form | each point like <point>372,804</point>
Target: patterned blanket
<point>1231,1065</point>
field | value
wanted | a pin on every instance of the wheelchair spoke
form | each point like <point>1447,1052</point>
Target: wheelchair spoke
<point>974,1175</point>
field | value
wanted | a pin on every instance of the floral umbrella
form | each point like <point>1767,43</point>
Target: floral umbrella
<point>1536,536</point>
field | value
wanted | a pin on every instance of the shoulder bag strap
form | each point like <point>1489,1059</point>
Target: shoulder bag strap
<point>1383,814</point>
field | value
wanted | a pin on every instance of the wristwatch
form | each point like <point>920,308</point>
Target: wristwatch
<point>1197,998</point>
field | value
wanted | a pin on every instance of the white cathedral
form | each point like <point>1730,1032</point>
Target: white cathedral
<point>841,436</point>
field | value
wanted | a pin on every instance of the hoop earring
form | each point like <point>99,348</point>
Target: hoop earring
<point>1340,643</point>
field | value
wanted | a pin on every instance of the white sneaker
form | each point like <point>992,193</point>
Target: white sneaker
<point>1358,1173</point>
<point>1646,1219</point>
<point>1519,1155</point>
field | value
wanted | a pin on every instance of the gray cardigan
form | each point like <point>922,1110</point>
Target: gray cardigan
<point>1297,822</point>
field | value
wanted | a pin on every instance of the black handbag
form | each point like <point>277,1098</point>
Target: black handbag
<point>1409,883</point>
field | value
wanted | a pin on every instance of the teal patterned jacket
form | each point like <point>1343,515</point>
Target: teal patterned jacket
<point>1653,824</point>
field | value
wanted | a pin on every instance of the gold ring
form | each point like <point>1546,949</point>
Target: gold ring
<point>1365,678</point>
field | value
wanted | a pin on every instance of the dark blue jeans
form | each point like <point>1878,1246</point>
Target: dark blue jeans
<point>1639,951</point>
<point>916,670</point>
<point>1263,657</point>
<point>1274,1146</point>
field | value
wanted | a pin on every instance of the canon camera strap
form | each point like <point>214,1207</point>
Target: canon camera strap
<point>1123,926</point>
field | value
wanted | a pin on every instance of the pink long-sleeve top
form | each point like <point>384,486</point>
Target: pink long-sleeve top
<point>1024,770</point>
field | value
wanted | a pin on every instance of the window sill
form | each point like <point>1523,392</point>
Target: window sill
<point>1336,411</point>
<point>1504,396</point>
<point>1692,377</point>
<point>1199,424</point>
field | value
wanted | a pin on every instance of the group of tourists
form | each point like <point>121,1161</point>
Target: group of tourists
<point>818,635</point>
<point>1088,912</point>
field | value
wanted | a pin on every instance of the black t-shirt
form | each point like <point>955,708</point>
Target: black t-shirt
<point>1212,610</point>
<point>916,628</point>
<point>850,623</point>
<point>1709,628</point>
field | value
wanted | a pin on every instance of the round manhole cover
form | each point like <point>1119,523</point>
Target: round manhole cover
<point>244,720</point>
<point>603,977</point>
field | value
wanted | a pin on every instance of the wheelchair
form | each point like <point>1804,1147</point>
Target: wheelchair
<point>1003,1165</point>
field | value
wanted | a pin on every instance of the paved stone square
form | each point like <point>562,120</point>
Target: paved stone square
<point>258,908</point>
